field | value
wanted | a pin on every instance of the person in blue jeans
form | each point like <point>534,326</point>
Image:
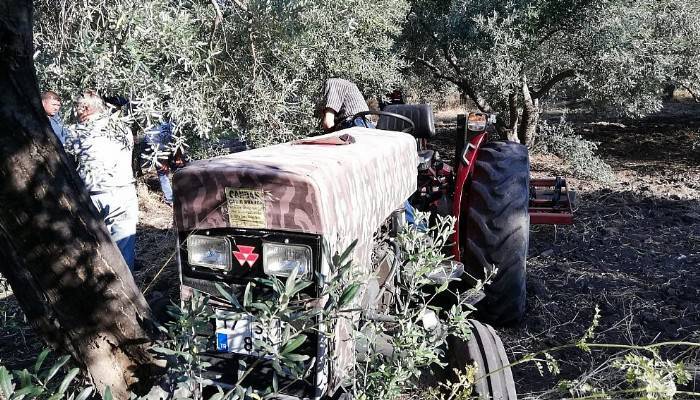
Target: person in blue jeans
<point>102,145</point>
<point>159,138</point>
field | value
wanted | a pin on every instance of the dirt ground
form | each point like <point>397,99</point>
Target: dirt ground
<point>634,251</point>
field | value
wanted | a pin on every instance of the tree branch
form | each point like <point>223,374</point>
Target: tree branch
<point>513,110</point>
<point>440,44</point>
<point>693,94</point>
<point>219,15</point>
<point>450,59</point>
<point>530,116</point>
<point>570,73</point>
<point>480,102</point>
<point>435,70</point>
<point>215,24</point>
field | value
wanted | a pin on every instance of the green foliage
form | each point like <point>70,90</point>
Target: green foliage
<point>416,329</point>
<point>252,68</point>
<point>590,332</point>
<point>152,52</point>
<point>282,310</point>
<point>51,382</point>
<point>679,25</point>
<point>655,377</point>
<point>645,374</point>
<point>180,347</point>
<point>561,140</point>
<point>643,377</point>
<point>646,377</point>
<point>462,389</point>
<point>612,53</point>
<point>286,321</point>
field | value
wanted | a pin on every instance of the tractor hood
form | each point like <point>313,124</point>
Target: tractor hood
<point>303,186</point>
<point>342,192</point>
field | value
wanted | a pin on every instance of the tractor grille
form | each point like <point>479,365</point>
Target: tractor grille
<point>226,367</point>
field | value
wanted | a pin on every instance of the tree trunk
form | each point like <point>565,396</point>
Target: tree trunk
<point>529,118</point>
<point>513,117</point>
<point>65,271</point>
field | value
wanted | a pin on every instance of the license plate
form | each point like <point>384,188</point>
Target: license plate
<point>238,333</point>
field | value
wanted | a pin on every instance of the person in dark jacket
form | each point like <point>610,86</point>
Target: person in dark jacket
<point>52,105</point>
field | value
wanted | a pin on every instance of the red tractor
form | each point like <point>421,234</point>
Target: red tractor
<point>489,191</point>
<point>282,211</point>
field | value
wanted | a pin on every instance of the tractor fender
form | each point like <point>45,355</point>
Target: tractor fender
<point>465,169</point>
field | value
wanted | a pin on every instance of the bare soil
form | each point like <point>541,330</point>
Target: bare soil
<point>633,251</point>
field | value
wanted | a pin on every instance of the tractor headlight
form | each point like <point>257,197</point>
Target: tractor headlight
<point>281,259</point>
<point>210,252</point>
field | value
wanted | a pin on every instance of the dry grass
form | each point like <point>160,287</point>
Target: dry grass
<point>155,242</point>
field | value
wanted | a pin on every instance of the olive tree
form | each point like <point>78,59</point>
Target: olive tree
<point>253,68</point>
<point>249,66</point>
<point>64,269</point>
<point>682,29</point>
<point>510,55</point>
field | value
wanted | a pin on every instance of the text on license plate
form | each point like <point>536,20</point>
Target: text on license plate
<point>238,335</point>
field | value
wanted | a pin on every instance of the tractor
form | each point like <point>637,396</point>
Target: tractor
<point>280,211</point>
<point>489,191</point>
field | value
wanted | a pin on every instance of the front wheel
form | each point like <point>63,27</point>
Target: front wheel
<point>484,349</point>
<point>496,227</point>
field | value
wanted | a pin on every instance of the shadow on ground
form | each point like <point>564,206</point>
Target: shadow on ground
<point>156,275</point>
<point>635,257</point>
<point>633,252</point>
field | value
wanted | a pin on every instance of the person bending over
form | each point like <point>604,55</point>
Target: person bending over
<point>159,139</point>
<point>341,100</point>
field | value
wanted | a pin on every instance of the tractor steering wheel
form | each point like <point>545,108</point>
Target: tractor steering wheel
<point>363,114</point>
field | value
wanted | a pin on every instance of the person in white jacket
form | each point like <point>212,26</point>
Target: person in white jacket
<point>102,145</point>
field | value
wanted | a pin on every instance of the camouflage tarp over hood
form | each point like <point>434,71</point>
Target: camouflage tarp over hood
<point>340,191</point>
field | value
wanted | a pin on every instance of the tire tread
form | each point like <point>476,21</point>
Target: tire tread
<point>497,229</point>
<point>485,348</point>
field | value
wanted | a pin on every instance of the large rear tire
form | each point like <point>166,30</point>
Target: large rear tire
<point>485,349</point>
<point>496,227</point>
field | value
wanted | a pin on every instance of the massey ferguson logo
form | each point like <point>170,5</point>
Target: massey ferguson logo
<point>246,254</point>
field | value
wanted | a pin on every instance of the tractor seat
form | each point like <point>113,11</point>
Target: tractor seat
<point>420,114</point>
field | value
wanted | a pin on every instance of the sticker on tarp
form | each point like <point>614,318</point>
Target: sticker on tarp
<point>246,208</point>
